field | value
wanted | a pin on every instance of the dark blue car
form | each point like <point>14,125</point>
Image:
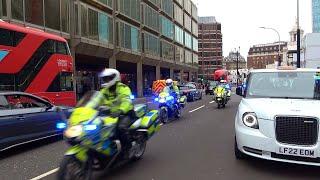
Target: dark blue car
<point>25,118</point>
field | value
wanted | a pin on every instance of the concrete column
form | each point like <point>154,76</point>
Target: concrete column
<point>181,75</point>
<point>113,61</point>
<point>139,79</point>
<point>171,73</point>
<point>73,42</point>
<point>190,76</point>
<point>158,76</point>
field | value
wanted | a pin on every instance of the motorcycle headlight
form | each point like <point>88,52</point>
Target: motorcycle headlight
<point>73,131</point>
<point>250,120</point>
<point>162,100</point>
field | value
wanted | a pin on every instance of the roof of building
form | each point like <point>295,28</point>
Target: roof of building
<point>269,44</point>
<point>207,19</point>
<point>232,57</point>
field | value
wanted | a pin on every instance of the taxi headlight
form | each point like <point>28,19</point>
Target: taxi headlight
<point>250,120</point>
<point>73,131</point>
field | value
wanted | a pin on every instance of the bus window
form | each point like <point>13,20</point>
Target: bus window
<point>62,82</point>
<point>10,38</point>
<point>61,48</point>
<point>6,82</point>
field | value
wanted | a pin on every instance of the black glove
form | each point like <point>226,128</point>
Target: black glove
<point>115,114</point>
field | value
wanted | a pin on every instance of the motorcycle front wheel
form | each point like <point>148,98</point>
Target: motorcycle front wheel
<point>72,169</point>
<point>164,115</point>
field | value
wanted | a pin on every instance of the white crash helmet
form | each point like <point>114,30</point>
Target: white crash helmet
<point>223,81</point>
<point>169,82</point>
<point>109,77</point>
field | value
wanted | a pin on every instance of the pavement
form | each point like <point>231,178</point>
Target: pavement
<point>197,147</point>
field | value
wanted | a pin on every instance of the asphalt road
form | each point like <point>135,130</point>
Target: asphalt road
<point>197,147</point>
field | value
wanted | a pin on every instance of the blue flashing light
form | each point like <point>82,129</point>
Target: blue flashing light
<point>61,125</point>
<point>162,100</point>
<point>90,127</point>
<point>132,97</point>
<point>156,99</point>
<point>169,98</point>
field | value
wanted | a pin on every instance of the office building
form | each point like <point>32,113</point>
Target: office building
<point>210,47</point>
<point>144,39</point>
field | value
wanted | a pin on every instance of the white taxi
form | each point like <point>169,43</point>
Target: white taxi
<point>278,117</point>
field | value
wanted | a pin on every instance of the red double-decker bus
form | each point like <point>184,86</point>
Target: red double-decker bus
<point>36,62</point>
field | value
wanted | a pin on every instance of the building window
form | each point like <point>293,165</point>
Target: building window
<point>188,57</point>
<point>167,51</point>
<point>65,18</point>
<point>52,14</point>
<point>195,44</point>
<point>34,12</point>
<point>3,8</point>
<point>129,37</point>
<point>187,22</point>
<point>187,6</point>
<point>167,6</point>
<point>84,30</point>
<point>178,14</point>
<point>187,40</point>
<point>93,24</point>
<point>151,17</point>
<point>179,54</point>
<point>179,36</point>
<point>167,27</point>
<point>105,30</point>
<point>151,44</point>
<point>106,2</point>
<point>130,8</point>
<point>17,9</point>
<point>195,60</point>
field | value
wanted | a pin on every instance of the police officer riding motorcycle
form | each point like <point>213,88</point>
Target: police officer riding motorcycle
<point>222,94</point>
<point>106,129</point>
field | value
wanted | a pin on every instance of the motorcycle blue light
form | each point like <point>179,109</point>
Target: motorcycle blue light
<point>61,125</point>
<point>156,99</point>
<point>132,97</point>
<point>162,100</point>
<point>169,98</point>
<point>90,127</point>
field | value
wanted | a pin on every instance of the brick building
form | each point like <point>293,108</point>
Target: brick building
<point>259,56</point>
<point>210,46</point>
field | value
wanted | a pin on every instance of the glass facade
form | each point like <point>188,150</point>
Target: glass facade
<point>34,12</point>
<point>195,59</point>
<point>129,37</point>
<point>166,27</point>
<point>188,57</point>
<point>316,15</point>
<point>151,44</point>
<point>195,44</point>
<point>178,14</point>
<point>17,9</point>
<point>130,8</point>
<point>155,2</point>
<point>3,8</point>
<point>187,22</point>
<point>179,35</point>
<point>65,18</point>
<point>195,28</point>
<point>179,53</point>
<point>167,7</point>
<point>52,14</point>
<point>167,51</point>
<point>194,12</point>
<point>187,40</point>
<point>151,17</point>
<point>106,2</point>
<point>187,5</point>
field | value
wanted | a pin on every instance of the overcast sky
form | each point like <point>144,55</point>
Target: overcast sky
<point>241,20</point>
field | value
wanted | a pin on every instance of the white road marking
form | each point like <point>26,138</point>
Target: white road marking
<point>45,174</point>
<point>211,102</point>
<point>197,109</point>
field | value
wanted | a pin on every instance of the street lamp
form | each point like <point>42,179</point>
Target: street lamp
<point>279,52</point>
<point>298,36</point>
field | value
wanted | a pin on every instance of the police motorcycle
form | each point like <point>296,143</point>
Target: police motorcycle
<point>170,106</point>
<point>221,96</point>
<point>94,139</point>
